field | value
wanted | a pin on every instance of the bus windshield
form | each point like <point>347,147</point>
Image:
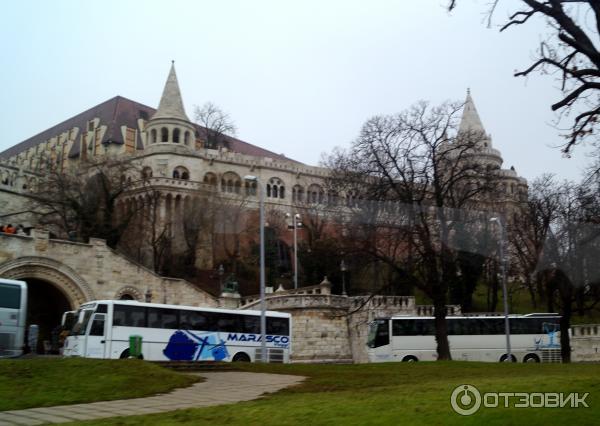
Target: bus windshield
<point>68,320</point>
<point>80,326</point>
<point>378,333</point>
<point>372,334</point>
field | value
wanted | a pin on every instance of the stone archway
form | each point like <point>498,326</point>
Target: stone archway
<point>52,289</point>
<point>64,278</point>
<point>129,293</point>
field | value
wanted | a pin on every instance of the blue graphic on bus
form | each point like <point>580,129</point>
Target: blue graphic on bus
<point>550,330</point>
<point>186,346</point>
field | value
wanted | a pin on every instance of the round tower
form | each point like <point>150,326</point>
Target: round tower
<point>170,124</point>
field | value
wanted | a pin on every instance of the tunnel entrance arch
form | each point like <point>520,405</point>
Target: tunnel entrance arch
<point>52,288</point>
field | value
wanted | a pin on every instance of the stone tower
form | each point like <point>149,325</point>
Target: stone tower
<point>511,188</point>
<point>170,124</point>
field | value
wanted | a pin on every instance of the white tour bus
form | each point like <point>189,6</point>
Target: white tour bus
<point>13,317</point>
<point>533,338</point>
<point>176,333</point>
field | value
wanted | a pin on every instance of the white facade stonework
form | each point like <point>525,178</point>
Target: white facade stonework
<point>91,271</point>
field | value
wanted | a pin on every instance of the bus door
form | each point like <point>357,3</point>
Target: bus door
<point>379,341</point>
<point>95,345</point>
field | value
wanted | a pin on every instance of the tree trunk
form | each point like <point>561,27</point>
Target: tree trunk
<point>531,289</point>
<point>441,329</point>
<point>565,324</point>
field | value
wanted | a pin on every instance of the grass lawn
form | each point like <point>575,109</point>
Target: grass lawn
<point>26,383</point>
<point>397,393</point>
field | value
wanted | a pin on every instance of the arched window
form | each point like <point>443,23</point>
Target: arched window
<point>181,172</point>
<point>333,198</point>
<point>210,179</point>
<point>275,188</point>
<point>186,138</point>
<point>315,194</point>
<point>126,296</point>
<point>164,134</point>
<point>298,193</point>
<point>232,182</point>
<point>250,188</point>
<point>153,136</point>
<point>175,135</point>
<point>146,173</point>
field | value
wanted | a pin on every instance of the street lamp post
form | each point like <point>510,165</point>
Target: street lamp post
<point>263,318</point>
<point>504,291</point>
<point>221,272</point>
<point>295,219</point>
<point>343,269</point>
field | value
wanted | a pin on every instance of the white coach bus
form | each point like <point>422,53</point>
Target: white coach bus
<point>13,317</point>
<point>533,338</point>
<point>176,333</point>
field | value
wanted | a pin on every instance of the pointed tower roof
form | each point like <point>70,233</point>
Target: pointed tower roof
<point>171,105</point>
<point>470,119</point>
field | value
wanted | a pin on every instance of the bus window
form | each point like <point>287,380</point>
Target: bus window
<point>97,328</point>
<point>129,316</point>
<point>228,322</point>
<point>193,320</point>
<point>10,296</point>
<point>278,326</point>
<point>379,334</point>
<point>162,318</point>
<point>250,324</point>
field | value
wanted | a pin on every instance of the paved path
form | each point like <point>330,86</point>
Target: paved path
<point>217,389</point>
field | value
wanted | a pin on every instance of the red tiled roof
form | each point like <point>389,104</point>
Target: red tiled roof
<point>117,112</point>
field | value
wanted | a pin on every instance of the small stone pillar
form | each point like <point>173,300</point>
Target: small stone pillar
<point>325,286</point>
<point>41,237</point>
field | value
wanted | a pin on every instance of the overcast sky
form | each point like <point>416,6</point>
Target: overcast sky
<point>298,77</point>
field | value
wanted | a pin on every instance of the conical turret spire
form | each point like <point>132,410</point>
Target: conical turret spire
<point>470,121</point>
<point>171,105</point>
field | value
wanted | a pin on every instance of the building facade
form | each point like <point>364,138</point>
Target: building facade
<point>177,163</point>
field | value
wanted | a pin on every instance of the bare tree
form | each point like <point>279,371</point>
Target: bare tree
<point>216,124</point>
<point>570,256</point>
<point>417,162</point>
<point>572,51</point>
<point>82,200</point>
<point>529,233</point>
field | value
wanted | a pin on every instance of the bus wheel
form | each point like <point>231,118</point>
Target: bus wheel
<point>504,358</point>
<point>240,357</point>
<point>125,355</point>
<point>409,358</point>
<point>531,358</point>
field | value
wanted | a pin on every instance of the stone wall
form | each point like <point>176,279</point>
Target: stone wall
<point>328,327</point>
<point>363,310</point>
<point>585,343</point>
<point>91,271</point>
